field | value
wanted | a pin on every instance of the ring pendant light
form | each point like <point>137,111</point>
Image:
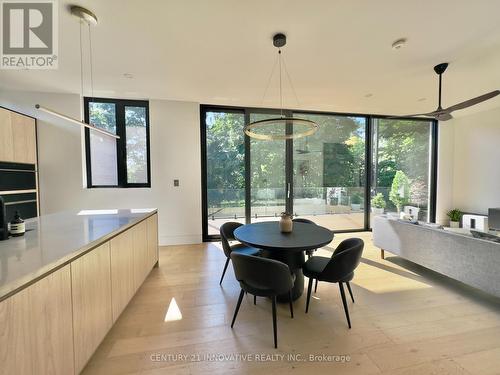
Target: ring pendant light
<point>310,127</point>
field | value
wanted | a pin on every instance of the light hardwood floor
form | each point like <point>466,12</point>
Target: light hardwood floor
<point>406,320</point>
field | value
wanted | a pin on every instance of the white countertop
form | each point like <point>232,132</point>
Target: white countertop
<point>54,240</point>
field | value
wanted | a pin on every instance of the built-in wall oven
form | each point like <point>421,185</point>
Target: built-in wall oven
<point>18,188</point>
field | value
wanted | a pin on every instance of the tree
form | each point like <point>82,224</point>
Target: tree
<point>400,190</point>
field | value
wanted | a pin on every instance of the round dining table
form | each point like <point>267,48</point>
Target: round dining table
<point>286,247</point>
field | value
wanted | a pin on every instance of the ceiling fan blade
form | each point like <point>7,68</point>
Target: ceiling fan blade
<point>430,114</point>
<point>474,101</point>
<point>444,116</point>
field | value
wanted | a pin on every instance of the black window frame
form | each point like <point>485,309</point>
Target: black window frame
<point>121,143</point>
<point>369,123</point>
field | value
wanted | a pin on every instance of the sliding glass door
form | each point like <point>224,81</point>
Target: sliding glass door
<point>268,172</point>
<point>329,172</point>
<point>225,168</point>
<point>337,177</point>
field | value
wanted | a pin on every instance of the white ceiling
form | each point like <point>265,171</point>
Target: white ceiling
<point>220,52</point>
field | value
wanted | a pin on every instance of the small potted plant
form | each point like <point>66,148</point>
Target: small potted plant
<point>378,204</point>
<point>356,201</point>
<point>454,215</point>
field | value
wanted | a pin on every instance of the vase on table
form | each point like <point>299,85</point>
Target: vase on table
<point>286,223</point>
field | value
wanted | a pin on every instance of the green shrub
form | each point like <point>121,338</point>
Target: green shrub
<point>400,190</point>
<point>378,201</point>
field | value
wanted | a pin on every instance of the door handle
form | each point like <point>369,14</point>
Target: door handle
<point>288,191</point>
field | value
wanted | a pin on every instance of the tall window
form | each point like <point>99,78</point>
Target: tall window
<point>353,167</point>
<point>402,164</point>
<point>225,162</point>
<point>120,162</point>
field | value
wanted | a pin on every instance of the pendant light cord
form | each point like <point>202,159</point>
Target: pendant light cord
<point>91,64</point>
<point>269,81</point>
<point>281,88</point>
<point>81,71</point>
<point>291,83</point>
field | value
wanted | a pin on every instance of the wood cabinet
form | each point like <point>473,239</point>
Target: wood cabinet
<point>152,229</point>
<point>17,137</point>
<point>54,325</point>
<point>6,143</point>
<point>91,295</point>
<point>36,331</point>
<point>122,271</point>
<point>141,257</point>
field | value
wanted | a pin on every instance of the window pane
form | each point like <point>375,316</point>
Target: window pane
<point>267,171</point>
<point>225,169</point>
<point>137,156</point>
<point>401,165</point>
<point>103,149</point>
<point>329,172</point>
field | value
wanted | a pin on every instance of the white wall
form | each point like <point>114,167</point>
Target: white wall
<point>476,172</point>
<point>444,198</point>
<point>175,154</point>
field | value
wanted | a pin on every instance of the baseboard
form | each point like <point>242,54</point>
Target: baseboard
<point>180,240</point>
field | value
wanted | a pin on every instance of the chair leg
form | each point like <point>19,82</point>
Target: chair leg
<point>350,291</point>
<point>316,286</point>
<point>254,300</point>
<point>274,323</point>
<point>291,302</point>
<point>224,272</point>
<point>342,293</point>
<point>240,298</point>
<point>309,287</point>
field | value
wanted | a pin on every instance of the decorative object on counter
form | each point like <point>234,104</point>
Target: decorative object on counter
<point>286,223</point>
<point>400,190</point>
<point>477,222</point>
<point>454,215</point>
<point>378,204</point>
<point>4,230</point>
<point>17,226</point>
<point>494,219</point>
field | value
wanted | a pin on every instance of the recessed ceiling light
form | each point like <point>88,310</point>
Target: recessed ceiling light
<point>369,95</point>
<point>398,44</point>
<point>128,75</point>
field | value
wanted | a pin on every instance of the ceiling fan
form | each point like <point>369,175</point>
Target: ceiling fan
<point>444,114</point>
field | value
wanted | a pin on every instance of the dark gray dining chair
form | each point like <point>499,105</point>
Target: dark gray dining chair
<point>309,253</point>
<point>227,234</point>
<point>262,277</point>
<point>337,269</point>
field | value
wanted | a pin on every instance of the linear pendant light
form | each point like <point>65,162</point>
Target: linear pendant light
<point>89,18</point>
<point>75,121</point>
<point>311,127</point>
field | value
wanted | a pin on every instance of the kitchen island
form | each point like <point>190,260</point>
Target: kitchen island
<point>66,281</point>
